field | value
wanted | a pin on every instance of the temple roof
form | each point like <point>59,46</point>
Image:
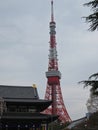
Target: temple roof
<point>21,92</point>
<point>34,117</point>
<point>23,95</point>
<point>39,104</point>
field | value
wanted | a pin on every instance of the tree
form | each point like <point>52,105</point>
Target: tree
<point>92,103</point>
<point>93,83</point>
<point>93,18</point>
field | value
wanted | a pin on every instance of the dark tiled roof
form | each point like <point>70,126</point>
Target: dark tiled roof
<point>21,92</point>
<point>25,100</point>
<point>29,116</point>
<point>40,104</point>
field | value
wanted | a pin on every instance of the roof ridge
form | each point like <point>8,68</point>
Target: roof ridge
<point>15,86</point>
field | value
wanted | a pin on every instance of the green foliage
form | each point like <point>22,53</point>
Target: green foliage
<point>93,4</point>
<point>93,83</point>
<point>93,18</point>
<point>94,76</point>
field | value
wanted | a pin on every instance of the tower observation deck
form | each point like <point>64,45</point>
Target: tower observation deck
<point>53,90</point>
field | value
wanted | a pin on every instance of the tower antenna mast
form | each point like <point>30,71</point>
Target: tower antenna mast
<point>52,12</point>
<point>53,90</point>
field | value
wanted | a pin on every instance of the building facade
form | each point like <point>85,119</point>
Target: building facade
<point>20,109</point>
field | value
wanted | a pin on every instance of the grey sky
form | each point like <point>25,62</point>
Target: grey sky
<point>24,45</point>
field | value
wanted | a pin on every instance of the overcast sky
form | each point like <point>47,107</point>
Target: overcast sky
<point>24,47</point>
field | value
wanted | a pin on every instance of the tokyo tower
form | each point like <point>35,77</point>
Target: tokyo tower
<point>53,90</point>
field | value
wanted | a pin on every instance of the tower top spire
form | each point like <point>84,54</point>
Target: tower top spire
<point>52,11</point>
<point>53,90</point>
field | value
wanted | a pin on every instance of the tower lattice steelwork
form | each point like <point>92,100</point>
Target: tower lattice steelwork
<point>53,90</point>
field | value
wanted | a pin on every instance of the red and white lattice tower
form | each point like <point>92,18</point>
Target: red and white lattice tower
<point>53,90</point>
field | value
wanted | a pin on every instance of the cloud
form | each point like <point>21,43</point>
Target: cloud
<point>24,47</point>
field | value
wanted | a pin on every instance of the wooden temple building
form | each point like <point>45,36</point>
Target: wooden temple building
<point>21,109</point>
